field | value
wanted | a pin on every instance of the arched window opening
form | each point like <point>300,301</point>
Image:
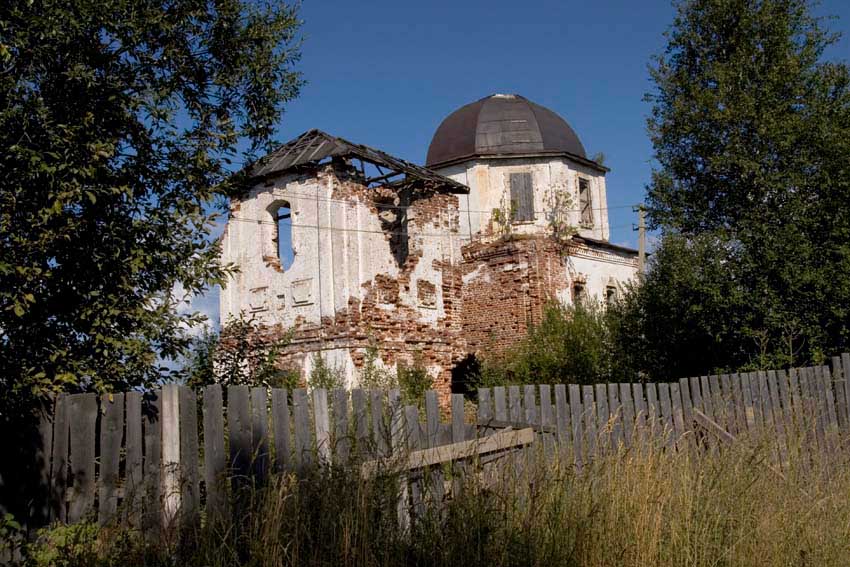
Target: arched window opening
<point>283,220</point>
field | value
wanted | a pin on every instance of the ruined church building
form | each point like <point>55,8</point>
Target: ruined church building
<point>352,247</point>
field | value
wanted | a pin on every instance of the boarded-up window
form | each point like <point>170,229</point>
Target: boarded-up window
<point>522,197</point>
<point>585,202</point>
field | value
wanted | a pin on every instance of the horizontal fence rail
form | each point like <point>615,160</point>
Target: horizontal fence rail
<point>177,452</point>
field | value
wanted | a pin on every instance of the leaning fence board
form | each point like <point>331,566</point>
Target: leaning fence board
<point>303,435</point>
<point>341,439</point>
<point>259,433</point>
<point>826,379</point>
<point>589,407</point>
<point>738,401</point>
<point>653,410</point>
<point>706,397</point>
<point>845,372</point>
<point>603,423</point>
<point>133,460</point>
<point>678,413</point>
<point>668,430</point>
<point>576,421</point>
<point>640,413</point>
<point>190,500</point>
<point>840,395</point>
<point>111,434</point>
<point>59,450</point>
<point>758,407</point>
<point>547,418</point>
<point>778,417</point>
<point>562,420</point>
<point>628,406</point>
<point>457,451</point>
<point>687,407</point>
<point>785,400</point>
<point>728,397</point>
<point>415,443</point>
<point>747,393</point>
<point>615,410</point>
<point>215,461</point>
<point>281,425</point>
<point>82,417</point>
<point>717,403</point>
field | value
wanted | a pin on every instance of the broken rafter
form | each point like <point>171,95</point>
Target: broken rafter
<point>314,146</point>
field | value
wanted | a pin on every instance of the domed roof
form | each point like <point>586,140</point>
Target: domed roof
<point>499,125</point>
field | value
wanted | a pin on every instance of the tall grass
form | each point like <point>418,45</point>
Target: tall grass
<point>643,508</point>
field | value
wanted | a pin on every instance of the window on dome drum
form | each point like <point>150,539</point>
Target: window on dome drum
<point>283,220</point>
<point>585,202</point>
<point>522,197</point>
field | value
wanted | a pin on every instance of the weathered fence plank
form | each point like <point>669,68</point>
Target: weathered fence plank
<point>603,417</point>
<point>134,443</point>
<point>82,416</point>
<point>303,435</point>
<point>500,403</point>
<point>281,424</point>
<point>547,418</point>
<point>259,433</point>
<point>845,372</point>
<point>485,407</point>
<point>589,407</point>
<point>687,408</point>
<point>190,499</point>
<point>170,453</point>
<point>678,414</point>
<point>530,405</point>
<point>111,434</point>
<point>341,437</point>
<point>153,462</point>
<point>321,419</point>
<point>239,429</point>
<point>615,411</point>
<point>653,410</point>
<point>361,422</point>
<point>628,406</point>
<point>640,413</point>
<point>562,421</point>
<point>749,411</point>
<point>669,431</point>
<point>380,431</point>
<point>515,404</point>
<point>840,394</point>
<point>215,461</point>
<point>576,413</point>
<point>59,472</point>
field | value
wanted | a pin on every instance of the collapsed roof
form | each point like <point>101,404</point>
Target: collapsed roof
<point>314,147</point>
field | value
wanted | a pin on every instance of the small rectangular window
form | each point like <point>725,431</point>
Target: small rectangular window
<point>585,202</point>
<point>522,197</point>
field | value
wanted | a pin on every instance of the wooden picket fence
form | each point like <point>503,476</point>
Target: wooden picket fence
<point>103,454</point>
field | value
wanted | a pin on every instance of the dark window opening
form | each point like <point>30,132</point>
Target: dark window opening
<point>465,376</point>
<point>283,220</point>
<point>579,293</point>
<point>585,202</point>
<point>522,197</point>
<point>610,294</point>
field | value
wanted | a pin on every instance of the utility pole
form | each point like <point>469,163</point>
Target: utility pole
<point>641,228</point>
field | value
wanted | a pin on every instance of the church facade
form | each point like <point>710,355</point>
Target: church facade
<point>353,249</point>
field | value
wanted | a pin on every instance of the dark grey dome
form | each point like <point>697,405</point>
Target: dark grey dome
<point>502,125</point>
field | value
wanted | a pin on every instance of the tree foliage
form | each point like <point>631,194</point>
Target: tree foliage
<point>751,130</point>
<point>118,124</point>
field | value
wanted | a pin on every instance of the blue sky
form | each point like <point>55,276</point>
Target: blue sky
<point>385,73</point>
